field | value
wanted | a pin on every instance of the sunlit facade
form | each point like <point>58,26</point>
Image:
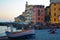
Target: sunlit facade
<point>55,13</point>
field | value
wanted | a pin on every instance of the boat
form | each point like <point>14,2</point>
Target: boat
<point>20,34</point>
<point>53,31</point>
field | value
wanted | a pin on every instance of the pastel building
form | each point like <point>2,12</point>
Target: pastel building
<point>28,12</point>
<point>55,13</point>
<point>38,13</point>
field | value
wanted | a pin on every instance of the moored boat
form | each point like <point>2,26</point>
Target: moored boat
<point>20,34</point>
<point>53,31</point>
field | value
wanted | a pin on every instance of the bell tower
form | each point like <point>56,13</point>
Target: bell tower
<point>26,3</point>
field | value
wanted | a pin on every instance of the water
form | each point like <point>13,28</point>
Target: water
<point>2,30</point>
<point>39,34</point>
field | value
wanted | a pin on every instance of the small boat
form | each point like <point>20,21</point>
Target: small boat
<point>20,34</point>
<point>53,31</point>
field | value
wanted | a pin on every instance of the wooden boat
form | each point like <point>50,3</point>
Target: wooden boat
<point>19,34</point>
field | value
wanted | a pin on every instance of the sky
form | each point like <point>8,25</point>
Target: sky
<point>9,9</point>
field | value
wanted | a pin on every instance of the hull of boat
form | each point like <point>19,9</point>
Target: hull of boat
<point>20,35</point>
<point>23,37</point>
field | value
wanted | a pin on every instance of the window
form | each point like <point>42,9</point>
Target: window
<point>38,18</point>
<point>38,12</point>
<point>41,18</point>
<point>41,14</point>
<point>49,13</point>
<point>54,4</point>
<point>54,14</point>
<point>59,9</point>
<point>25,10</point>
<point>41,10</point>
<point>30,11</point>
<point>54,19</point>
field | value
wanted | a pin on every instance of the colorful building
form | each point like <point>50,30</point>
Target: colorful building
<point>38,13</point>
<point>24,14</point>
<point>28,12</point>
<point>47,14</point>
<point>20,18</point>
<point>55,12</point>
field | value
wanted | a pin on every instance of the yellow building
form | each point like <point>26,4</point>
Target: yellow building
<point>55,12</point>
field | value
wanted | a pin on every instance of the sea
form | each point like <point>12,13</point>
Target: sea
<point>42,34</point>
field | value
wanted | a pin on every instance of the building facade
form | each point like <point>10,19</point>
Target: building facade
<point>20,18</point>
<point>38,13</point>
<point>47,14</point>
<point>55,13</point>
<point>28,12</point>
<point>24,14</point>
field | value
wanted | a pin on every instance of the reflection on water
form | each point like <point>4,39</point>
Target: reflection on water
<point>44,35</point>
<point>25,38</point>
<point>2,30</point>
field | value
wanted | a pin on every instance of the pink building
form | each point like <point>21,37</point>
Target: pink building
<point>38,13</point>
